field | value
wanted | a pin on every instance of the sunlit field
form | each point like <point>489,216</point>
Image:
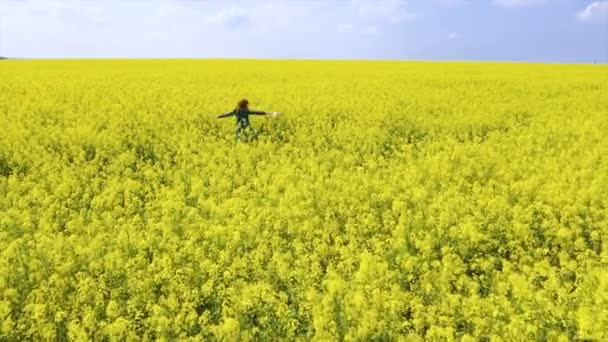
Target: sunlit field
<point>389,200</point>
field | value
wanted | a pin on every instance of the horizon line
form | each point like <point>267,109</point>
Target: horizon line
<point>595,62</point>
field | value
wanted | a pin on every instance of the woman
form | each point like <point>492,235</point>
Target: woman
<point>242,112</point>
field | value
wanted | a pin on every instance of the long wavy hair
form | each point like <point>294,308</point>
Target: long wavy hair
<point>242,105</point>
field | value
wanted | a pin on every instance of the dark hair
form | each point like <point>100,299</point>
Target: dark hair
<point>243,104</point>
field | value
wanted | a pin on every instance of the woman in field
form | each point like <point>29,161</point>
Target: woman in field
<point>241,112</point>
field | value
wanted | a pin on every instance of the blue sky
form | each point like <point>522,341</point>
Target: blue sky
<point>516,30</point>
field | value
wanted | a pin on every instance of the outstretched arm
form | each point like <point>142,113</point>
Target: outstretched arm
<point>225,115</point>
<point>257,112</point>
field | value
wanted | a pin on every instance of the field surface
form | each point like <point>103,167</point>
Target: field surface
<point>390,200</point>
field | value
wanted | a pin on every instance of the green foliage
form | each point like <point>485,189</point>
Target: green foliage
<point>440,201</point>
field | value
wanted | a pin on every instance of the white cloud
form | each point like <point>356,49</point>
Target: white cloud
<point>453,36</point>
<point>597,10</point>
<point>345,28</point>
<point>68,10</point>
<point>308,28</point>
<point>282,13</point>
<point>520,3</point>
<point>263,14</point>
<point>394,11</point>
<point>229,16</point>
<point>451,3</point>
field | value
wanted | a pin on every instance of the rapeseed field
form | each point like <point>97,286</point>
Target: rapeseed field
<point>390,200</point>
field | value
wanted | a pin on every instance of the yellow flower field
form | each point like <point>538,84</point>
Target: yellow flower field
<point>390,200</point>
